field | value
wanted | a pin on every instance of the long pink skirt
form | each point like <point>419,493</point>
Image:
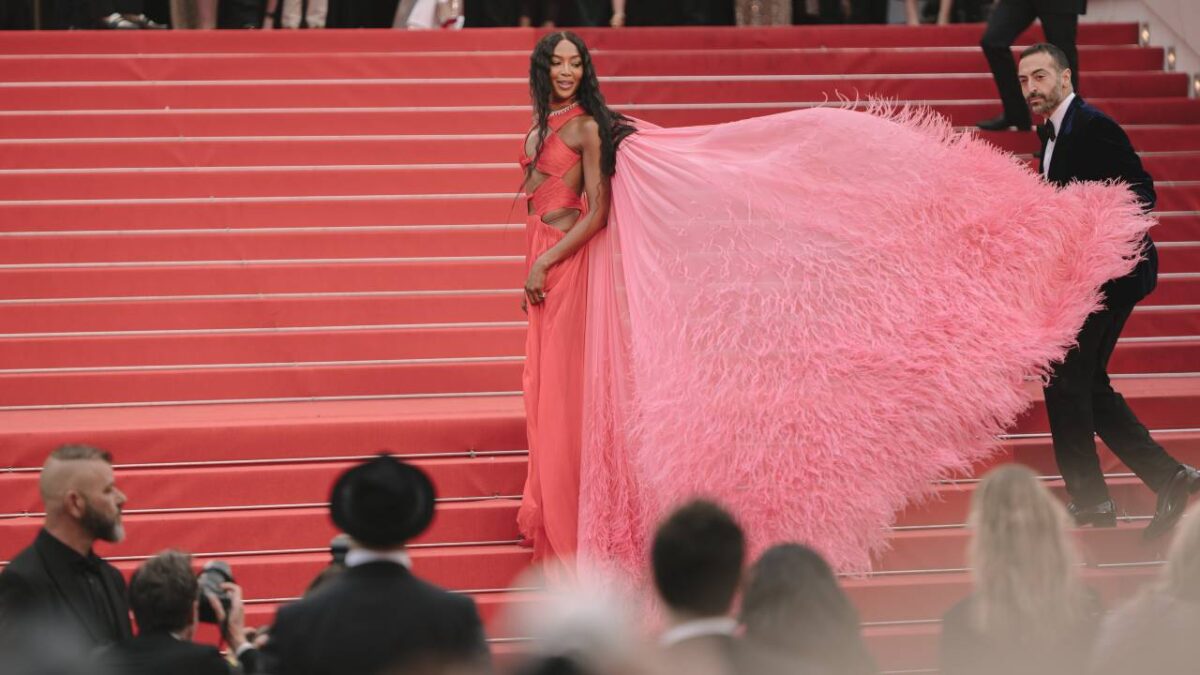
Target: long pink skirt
<point>553,383</point>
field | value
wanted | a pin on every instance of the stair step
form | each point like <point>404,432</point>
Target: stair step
<point>299,181</point>
<point>1172,110</point>
<point>503,39</point>
<point>626,62</point>
<point>392,149</point>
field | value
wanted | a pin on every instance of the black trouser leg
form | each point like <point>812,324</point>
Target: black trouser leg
<point>491,13</point>
<point>1060,30</point>
<point>1118,426</point>
<point>98,9</point>
<point>1072,418</point>
<point>1009,18</point>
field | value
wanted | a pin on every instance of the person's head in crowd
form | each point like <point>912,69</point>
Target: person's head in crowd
<point>1181,575</point>
<point>81,497</point>
<point>1154,631</point>
<point>163,594</point>
<point>697,559</point>
<point>382,504</point>
<point>794,609</point>
<point>1022,558</point>
<point>1045,76</point>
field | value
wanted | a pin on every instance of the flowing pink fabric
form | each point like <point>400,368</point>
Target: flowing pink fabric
<point>811,316</point>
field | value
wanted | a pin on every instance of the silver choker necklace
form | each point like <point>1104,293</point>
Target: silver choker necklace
<point>563,109</point>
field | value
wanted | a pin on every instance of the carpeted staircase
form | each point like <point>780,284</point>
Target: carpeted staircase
<point>241,260</point>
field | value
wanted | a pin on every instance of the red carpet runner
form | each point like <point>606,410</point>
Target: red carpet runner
<point>240,260</point>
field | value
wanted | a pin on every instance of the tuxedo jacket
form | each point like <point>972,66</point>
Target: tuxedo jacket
<point>1091,146</point>
<point>375,617</point>
<point>160,653</point>
<point>41,582</point>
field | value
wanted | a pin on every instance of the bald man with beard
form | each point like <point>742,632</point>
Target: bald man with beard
<point>59,579</point>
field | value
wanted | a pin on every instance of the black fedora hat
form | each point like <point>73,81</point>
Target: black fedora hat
<point>382,502</point>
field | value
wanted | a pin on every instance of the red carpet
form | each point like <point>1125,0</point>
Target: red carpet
<point>241,261</point>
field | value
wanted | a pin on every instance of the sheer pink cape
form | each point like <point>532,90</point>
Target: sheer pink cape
<point>809,317</point>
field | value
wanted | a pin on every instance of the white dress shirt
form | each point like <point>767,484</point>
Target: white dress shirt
<point>362,556</point>
<point>1055,121</point>
<point>721,625</point>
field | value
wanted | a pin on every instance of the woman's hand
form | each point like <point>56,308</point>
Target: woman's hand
<point>535,285</point>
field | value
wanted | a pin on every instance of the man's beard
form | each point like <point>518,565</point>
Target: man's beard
<point>101,527</point>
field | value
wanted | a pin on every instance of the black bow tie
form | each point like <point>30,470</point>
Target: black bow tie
<point>1046,132</point>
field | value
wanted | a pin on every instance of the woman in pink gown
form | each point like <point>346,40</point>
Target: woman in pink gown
<point>568,157</point>
<point>809,317</point>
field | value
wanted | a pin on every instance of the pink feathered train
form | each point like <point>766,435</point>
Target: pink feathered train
<point>811,316</point>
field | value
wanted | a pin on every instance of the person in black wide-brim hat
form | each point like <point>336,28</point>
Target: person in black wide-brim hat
<point>383,617</point>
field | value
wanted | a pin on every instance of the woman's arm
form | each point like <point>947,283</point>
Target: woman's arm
<point>597,187</point>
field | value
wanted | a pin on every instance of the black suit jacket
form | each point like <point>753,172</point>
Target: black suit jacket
<point>42,582</point>
<point>1091,146</point>
<point>373,617</point>
<point>161,654</point>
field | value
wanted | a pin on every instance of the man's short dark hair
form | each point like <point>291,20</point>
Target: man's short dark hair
<point>1057,55</point>
<point>75,451</point>
<point>697,555</point>
<point>162,592</point>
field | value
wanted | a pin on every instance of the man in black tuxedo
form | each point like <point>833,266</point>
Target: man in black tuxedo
<point>1060,22</point>
<point>164,595</point>
<point>59,580</point>
<point>376,616</point>
<point>1081,143</point>
<point>697,558</point>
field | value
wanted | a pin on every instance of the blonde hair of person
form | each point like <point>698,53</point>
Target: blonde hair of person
<point>1023,561</point>
<point>1181,575</point>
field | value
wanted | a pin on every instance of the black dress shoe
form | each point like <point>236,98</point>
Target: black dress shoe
<point>1103,514</point>
<point>1002,123</point>
<point>1172,500</point>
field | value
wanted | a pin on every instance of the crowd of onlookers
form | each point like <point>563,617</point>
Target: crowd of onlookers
<point>1032,607</point>
<point>157,14</point>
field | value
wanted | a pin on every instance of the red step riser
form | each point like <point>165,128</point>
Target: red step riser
<point>273,431</point>
<point>459,242</point>
<point>210,214</point>
<point>350,311</point>
<point>1163,403</point>
<point>473,342</point>
<point>269,347</point>
<point>294,484</point>
<point>260,182</point>
<point>266,313</point>
<point>638,62</point>
<point>495,520</point>
<point>251,182</point>
<point>952,503</point>
<point>1144,139</point>
<point>256,383</point>
<point>707,37</point>
<point>300,122</point>
<point>1175,291</point>
<point>350,210</point>
<point>1183,227</point>
<point>281,152</point>
<point>319,278</point>
<point>939,549</point>
<point>223,531</point>
<point>259,278</point>
<point>398,93</point>
<point>316,151</point>
<point>1162,323</point>
<point>456,568</point>
<point>506,240</point>
<point>1038,453</point>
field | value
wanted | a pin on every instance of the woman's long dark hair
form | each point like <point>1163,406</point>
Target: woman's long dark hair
<point>614,126</point>
<point>793,605</point>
